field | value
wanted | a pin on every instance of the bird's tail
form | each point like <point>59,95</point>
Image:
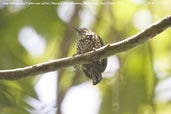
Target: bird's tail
<point>96,78</point>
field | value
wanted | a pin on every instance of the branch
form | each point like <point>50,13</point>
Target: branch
<point>103,52</point>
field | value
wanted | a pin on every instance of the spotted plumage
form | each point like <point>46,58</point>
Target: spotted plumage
<point>89,41</point>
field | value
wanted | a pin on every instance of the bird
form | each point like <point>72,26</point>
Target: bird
<point>89,41</point>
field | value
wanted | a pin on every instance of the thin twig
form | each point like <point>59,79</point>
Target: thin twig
<point>100,53</point>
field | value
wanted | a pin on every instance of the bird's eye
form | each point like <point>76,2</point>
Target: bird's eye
<point>89,36</point>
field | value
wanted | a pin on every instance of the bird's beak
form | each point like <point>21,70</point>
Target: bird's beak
<point>76,29</point>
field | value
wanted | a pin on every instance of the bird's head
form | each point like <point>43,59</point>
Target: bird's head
<point>83,32</point>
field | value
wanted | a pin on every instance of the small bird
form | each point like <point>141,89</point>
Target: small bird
<point>89,41</point>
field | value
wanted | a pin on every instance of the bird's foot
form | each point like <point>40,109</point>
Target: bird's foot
<point>94,49</point>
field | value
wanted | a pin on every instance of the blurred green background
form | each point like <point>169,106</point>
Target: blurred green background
<point>135,82</point>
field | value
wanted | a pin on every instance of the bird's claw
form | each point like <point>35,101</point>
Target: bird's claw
<point>94,49</point>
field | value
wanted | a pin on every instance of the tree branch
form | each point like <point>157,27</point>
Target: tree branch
<point>103,52</point>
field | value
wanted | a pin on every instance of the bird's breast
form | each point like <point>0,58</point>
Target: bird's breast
<point>88,44</point>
